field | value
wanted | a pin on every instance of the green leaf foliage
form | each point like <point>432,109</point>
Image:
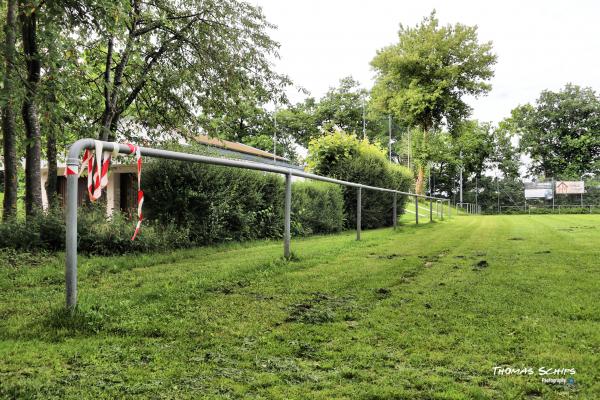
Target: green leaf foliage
<point>343,156</point>
<point>423,78</point>
<point>561,132</point>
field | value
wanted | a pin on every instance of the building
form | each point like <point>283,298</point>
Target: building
<point>121,192</point>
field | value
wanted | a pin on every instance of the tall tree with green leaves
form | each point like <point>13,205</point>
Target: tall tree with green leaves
<point>561,132</point>
<point>28,16</point>
<point>9,129</point>
<point>342,107</point>
<point>162,67</point>
<point>422,80</point>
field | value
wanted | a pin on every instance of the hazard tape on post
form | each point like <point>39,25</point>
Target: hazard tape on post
<point>98,177</point>
<point>140,196</point>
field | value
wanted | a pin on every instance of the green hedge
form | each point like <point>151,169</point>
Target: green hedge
<point>96,233</point>
<point>215,203</point>
<point>556,210</point>
<point>343,156</point>
<point>317,207</point>
<point>188,205</point>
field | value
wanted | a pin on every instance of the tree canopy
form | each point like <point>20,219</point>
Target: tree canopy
<point>422,80</point>
<point>561,132</point>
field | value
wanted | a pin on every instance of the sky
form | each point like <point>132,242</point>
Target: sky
<point>540,44</point>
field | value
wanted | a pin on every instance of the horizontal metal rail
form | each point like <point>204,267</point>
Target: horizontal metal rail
<point>71,202</point>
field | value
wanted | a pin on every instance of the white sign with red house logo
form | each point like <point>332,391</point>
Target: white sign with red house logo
<point>569,187</point>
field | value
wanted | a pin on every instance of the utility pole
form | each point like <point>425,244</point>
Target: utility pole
<point>553,193</point>
<point>364,121</point>
<point>390,136</point>
<point>498,192</point>
<point>476,193</point>
<point>461,179</point>
<point>430,192</point>
<point>409,149</point>
<point>275,137</point>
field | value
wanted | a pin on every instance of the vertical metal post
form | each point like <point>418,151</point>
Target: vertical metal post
<point>358,212</point>
<point>275,137</point>
<point>395,211</point>
<point>498,194</point>
<point>476,193</point>
<point>553,194</point>
<point>430,210</point>
<point>461,178</point>
<point>364,120</point>
<point>390,136</point>
<point>442,208</point>
<point>71,240</point>
<point>417,210</point>
<point>287,216</point>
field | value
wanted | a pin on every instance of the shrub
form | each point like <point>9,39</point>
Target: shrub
<point>214,203</point>
<point>218,204</point>
<point>317,207</point>
<point>97,234</point>
<point>345,157</point>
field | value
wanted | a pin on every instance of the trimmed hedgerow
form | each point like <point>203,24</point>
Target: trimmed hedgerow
<point>97,234</point>
<point>317,207</point>
<point>344,156</point>
<point>216,204</point>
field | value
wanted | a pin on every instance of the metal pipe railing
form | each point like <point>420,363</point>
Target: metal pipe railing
<point>82,144</point>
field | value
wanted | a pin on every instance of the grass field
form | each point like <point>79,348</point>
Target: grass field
<point>419,313</point>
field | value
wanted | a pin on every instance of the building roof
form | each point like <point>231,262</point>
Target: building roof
<point>237,147</point>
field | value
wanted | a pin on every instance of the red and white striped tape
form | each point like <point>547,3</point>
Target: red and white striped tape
<point>98,177</point>
<point>140,196</point>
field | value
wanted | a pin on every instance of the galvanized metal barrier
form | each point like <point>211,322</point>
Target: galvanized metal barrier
<point>71,201</point>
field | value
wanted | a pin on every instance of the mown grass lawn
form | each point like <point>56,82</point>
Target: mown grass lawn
<point>418,313</point>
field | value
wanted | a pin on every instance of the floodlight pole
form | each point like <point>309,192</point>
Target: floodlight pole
<point>476,192</point>
<point>498,195</point>
<point>461,178</point>
<point>390,136</point>
<point>363,118</point>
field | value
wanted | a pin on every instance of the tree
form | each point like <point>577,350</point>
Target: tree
<point>506,156</point>
<point>162,67</point>
<point>298,122</point>
<point>423,79</point>
<point>561,132</point>
<point>9,130</point>
<point>342,107</point>
<point>29,112</point>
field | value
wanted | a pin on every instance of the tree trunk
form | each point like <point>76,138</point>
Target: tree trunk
<point>52,126</point>
<point>8,117</point>
<point>33,185</point>
<point>51,182</point>
<point>420,183</point>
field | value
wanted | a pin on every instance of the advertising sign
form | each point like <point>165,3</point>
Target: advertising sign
<point>538,190</point>
<point>570,187</point>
